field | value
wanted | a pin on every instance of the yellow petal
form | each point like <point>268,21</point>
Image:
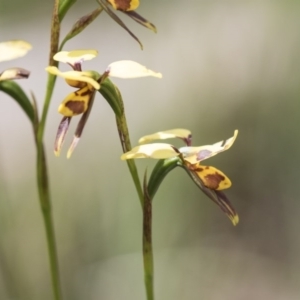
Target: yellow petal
<point>157,151</point>
<point>211,177</point>
<point>76,103</point>
<point>167,134</point>
<point>196,154</point>
<point>14,73</point>
<point>129,69</point>
<point>124,5</point>
<point>13,49</point>
<point>76,76</point>
<point>76,56</point>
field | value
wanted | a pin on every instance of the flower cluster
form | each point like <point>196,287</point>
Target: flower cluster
<point>87,83</point>
<point>209,179</point>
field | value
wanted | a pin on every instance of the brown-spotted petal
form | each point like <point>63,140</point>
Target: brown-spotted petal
<point>14,73</point>
<point>216,196</point>
<point>211,177</point>
<point>76,103</point>
<point>196,154</point>
<point>124,5</point>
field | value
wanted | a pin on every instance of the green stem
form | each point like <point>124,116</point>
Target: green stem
<point>49,92</point>
<point>44,194</point>
<point>126,145</point>
<point>147,246</point>
<point>45,202</point>
<point>42,172</point>
<point>146,206</point>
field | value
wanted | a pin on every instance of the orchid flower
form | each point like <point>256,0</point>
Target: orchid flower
<point>87,83</point>
<point>209,179</point>
<point>127,7</point>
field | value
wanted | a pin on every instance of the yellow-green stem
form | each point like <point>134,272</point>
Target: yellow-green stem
<point>44,196</point>
<point>126,145</point>
<point>147,247</point>
<point>146,207</point>
<point>42,172</point>
<point>49,91</point>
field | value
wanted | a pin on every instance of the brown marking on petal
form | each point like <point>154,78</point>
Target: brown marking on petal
<point>77,107</point>
<point>194,167</point>
<point>122,5</point>
<point>87,92</point>
<point>22,73</point>
<point>212,181</point>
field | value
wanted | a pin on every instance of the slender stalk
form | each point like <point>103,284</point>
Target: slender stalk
<point>126,145</point>
<point>147,244</point>
<point>45,202</point>
<point>49,92</point>
<point>42,172</point>
<point>145,203</point>
<point>54,42</point>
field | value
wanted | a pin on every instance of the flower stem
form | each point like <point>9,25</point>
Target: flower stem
<point>147,246</point>
<point>146,206</point>
<point>44,196</point>
<point>49,91</point>
<point>126,145</point>
<point>42,172</point>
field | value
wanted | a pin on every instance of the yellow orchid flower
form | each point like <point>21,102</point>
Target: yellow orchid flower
<point>206,177</point>
<point>11,50</point>
<point>127,7</point>
<point>195,154</point>
<point>87,83</point>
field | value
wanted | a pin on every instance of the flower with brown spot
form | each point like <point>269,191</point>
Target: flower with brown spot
<point>127,7</point>
<point>87,83</point>
<point>209,179</point>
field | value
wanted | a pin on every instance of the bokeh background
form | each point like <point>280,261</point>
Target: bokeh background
<point>227,65</point>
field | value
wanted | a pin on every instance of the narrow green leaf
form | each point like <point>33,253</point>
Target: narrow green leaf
<point>81,24</point>
<point>160,171</point>
<point>64,6</point>
<point>16,92</point>
<point>112,95</point>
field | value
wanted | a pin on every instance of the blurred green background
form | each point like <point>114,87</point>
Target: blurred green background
<point>226,65</point>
